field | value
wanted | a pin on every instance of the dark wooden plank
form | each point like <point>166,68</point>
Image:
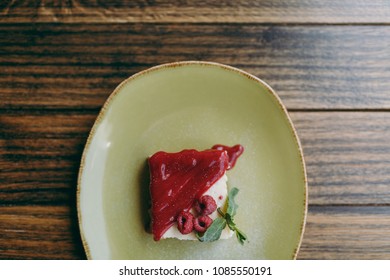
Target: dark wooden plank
<point>274,11</point>
<point>347,156</point>
<point>40,155</point>
<point>39,232</point>
<point>78,66</point>
<point>347,233</point>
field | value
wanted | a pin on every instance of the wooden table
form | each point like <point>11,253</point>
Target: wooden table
<point>328,60</point>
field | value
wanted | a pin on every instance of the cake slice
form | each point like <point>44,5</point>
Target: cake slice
<point>180,181</point>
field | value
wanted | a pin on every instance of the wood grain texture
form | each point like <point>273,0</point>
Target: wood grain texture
<point>347,233</point>
<point>347,156</point>
<point>78,66</point>
<point>40,155</point>
<point>243,11</point>
<point>39,232</point>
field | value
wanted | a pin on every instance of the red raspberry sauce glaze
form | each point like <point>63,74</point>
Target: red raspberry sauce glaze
<point>233,153</point>
<point>178,179</point>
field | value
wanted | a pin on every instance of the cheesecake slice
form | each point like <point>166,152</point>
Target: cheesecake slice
<point>178,181</point>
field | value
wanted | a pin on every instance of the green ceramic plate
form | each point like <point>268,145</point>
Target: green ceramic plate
<point>192,105</point>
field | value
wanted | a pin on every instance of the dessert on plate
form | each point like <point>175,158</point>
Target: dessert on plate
<point>189,195</point>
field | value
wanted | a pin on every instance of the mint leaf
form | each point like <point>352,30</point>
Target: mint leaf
<point>214,231</point>
<point>239,234</point>
<point>229,221</point>
<point>241,237</point>
<point>232,206</point>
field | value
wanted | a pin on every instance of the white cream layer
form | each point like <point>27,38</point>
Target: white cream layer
<point>219,192</point>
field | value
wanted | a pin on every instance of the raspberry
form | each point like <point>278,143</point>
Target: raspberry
<point>202,223</point>
<point>185,222</point>
<point>205,205</point>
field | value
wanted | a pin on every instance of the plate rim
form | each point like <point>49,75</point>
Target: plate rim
<point>115,92</point>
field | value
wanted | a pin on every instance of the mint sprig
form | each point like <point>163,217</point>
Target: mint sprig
<point>232,206</point>
<point>214,231</point>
